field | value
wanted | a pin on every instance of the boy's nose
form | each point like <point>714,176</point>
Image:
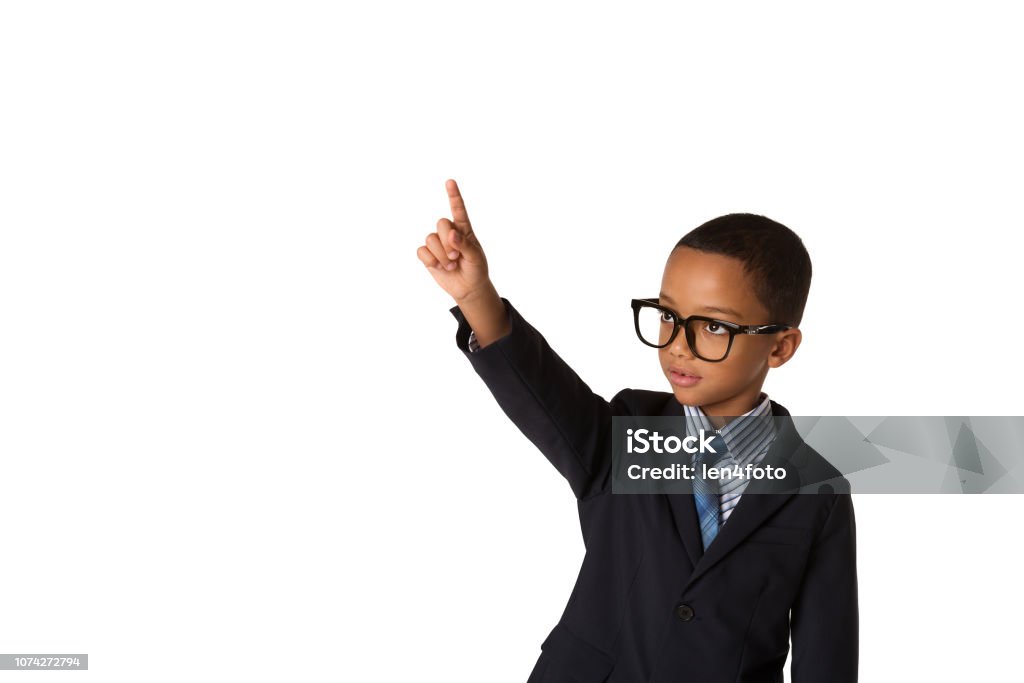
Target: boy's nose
<point>679,347</point>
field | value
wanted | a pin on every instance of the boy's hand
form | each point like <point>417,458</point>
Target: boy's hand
<point>453,255</point>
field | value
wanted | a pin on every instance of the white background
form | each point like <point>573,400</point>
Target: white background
<point>237,438</point>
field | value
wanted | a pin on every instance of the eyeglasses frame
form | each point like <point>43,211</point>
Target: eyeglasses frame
<point>734,328</point>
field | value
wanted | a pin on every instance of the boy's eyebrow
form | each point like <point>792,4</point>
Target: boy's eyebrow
<point>709,309</point>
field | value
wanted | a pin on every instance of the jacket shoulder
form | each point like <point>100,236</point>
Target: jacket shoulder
<point>817,474</point>
<point>643,401</point>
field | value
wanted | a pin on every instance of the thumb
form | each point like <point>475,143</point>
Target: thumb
<point>467,245</point>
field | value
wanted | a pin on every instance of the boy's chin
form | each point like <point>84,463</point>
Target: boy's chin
<point>688,395</point>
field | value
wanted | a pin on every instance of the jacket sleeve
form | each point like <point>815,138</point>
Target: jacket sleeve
<point>547,401</point>
<point>824,619</point>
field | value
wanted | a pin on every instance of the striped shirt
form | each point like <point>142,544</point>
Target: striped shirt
<point>747,439</point>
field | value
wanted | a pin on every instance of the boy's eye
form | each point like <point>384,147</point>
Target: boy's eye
<point>667,317</point>
<point>715,329</point>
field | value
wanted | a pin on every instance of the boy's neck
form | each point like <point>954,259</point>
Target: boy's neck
<point>718,420</point>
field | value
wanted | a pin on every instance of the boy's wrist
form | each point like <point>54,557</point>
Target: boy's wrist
<point>485,294</point>
<point>486,315</point>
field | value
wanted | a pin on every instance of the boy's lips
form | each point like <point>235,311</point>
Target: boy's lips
<point>682,377</point>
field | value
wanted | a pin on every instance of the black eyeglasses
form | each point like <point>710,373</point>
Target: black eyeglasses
<point>709,339</point>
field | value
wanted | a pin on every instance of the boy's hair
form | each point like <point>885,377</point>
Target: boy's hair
<point>773,256</point>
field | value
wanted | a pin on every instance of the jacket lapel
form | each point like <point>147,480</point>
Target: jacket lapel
<point>761,498</point>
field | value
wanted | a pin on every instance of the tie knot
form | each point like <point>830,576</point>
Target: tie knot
<point>717,444</point>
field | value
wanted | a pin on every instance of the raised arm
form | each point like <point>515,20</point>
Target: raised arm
<point>547,400</point>
<point>538,390</point>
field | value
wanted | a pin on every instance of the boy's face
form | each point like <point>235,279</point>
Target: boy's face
<point>701,283</point>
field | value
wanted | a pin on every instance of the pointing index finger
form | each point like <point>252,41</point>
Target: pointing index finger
<point>459,215</point>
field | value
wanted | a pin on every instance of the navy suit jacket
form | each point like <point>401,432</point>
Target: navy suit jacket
<point>649,604</point>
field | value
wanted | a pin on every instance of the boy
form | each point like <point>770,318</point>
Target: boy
<point>668,591</point>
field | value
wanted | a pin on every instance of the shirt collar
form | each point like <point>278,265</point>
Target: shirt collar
<point>744,436</point>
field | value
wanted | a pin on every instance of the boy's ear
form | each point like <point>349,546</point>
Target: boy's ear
<point>785,346</point>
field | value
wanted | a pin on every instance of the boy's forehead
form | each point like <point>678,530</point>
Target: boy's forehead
<point>699,281</point>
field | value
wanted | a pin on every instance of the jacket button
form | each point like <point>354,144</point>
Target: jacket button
<point>684,612</point>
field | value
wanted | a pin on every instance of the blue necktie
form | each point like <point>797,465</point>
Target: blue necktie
<point>705,491</point>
